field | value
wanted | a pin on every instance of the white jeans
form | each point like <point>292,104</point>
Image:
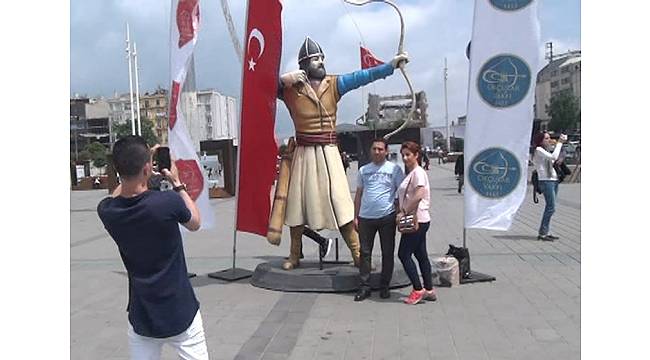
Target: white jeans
<point>190,344</point>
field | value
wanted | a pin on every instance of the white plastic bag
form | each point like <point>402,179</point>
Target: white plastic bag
<point>447,269</point>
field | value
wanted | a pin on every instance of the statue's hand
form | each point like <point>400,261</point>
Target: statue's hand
<point>399,58</point>
<point>293,77</point>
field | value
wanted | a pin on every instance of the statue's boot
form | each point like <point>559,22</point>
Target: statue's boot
<point>296,248</point>
<point>351,238</point>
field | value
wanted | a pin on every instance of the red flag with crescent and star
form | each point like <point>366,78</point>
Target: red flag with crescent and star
<point>368,60</point>
<point>258,148</point>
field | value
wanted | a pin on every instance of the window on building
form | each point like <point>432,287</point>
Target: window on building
<point>565,69</point>
<point>554,84</point>
<point>554,73</point>
<point>157,102</point>
<point>566,80</point>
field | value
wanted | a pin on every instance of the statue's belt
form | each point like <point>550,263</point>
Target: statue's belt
<point>310,139</point>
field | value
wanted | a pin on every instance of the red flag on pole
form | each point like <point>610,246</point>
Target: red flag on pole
<point>258,148</point>
<point>368,60</point>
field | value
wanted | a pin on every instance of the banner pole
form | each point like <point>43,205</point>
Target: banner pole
<point>464,237</point>
<point>235,273</point>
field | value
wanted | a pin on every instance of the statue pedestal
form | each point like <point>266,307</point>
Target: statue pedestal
<point>334,277</point>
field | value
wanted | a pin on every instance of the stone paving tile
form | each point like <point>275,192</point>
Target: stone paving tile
<point>532,311</point>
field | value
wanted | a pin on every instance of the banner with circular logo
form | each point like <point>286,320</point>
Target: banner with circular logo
<point>504,80</point>
<point>510,5</point>
<point>494,173</point>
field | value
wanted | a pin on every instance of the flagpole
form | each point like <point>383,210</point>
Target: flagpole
<point>137,86</point>
<point>234,273</point>
<point>447,110</point>
<point>363,111</point>
<point>128,57</point>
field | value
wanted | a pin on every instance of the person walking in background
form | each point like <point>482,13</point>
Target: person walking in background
<point>346,161</point>
<point>413,196</point>
<point>374,210</point>
<point>459,170</point>
<point>425,160</point>
<point>543,161</point>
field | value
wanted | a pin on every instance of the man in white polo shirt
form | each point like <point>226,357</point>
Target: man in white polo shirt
<point>374,210</point>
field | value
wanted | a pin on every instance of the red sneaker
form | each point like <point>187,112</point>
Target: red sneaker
<point>430,295</point>
<point>414,297</point>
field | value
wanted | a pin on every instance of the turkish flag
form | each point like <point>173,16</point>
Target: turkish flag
<point>368,60</point>
<point>258,148</point>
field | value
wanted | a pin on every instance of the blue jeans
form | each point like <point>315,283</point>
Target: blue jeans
<point>416,244</point>
<point>549,190</point>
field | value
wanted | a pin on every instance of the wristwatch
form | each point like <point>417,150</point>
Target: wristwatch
<point>180,187</point>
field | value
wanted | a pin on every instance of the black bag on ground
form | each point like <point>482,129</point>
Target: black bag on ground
<point>462,255</point>
<point>534,179</point>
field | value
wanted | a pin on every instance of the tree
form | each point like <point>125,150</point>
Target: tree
<point>564,111</point>
<point>97,153</point>
<point>122,130</point>
<point>84,155</point>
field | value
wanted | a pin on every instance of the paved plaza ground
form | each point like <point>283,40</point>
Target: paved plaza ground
<point>532,310</point>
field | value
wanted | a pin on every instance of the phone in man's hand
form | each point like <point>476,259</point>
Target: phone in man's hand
<point>162,159</point>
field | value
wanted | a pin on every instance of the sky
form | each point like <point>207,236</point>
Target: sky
<point>435,30</point>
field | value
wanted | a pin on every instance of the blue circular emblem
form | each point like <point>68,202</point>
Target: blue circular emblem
<point>504,80</point>
<point>510,5</point>
<point>494,173</point>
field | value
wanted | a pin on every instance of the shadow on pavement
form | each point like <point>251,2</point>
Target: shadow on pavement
<point>205,280</point>
<point>269,257</point>
<point>516,237</point>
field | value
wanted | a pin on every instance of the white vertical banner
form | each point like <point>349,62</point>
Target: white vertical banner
<point>184,32</point>
<point>504,58</point>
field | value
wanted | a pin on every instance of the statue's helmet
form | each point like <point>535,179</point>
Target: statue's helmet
<point>309,49</point>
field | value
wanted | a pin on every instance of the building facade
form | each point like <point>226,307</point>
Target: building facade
<point>154,106</point>
<point>210,116</point>
<point>560,75</point>
<point>89,122</point>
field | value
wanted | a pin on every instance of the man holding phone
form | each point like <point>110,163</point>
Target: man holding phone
<point>162,307</point>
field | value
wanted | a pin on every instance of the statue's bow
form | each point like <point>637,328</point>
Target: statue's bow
<point>400,50</point>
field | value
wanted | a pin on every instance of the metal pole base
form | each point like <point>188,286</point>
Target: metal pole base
<point>336,256</point>
<point>191,275</point>
<point>476,276</point>
<point>232,274</point>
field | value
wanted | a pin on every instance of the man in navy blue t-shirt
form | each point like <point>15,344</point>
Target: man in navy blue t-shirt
<point>144,224</point>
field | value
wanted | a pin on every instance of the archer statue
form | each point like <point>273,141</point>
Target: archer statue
<point>313,190</point>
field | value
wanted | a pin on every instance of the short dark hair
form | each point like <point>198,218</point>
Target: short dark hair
<point>130,154</point>
<point>381,140</point>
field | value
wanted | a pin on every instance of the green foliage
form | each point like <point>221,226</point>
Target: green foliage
<point>564,111</point>
<point>148,133</point>
<point>97,153</point>
<point>84,155</point>
<point>96,148</point>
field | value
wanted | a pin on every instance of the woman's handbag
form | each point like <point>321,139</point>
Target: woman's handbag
<point>407,223</point>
